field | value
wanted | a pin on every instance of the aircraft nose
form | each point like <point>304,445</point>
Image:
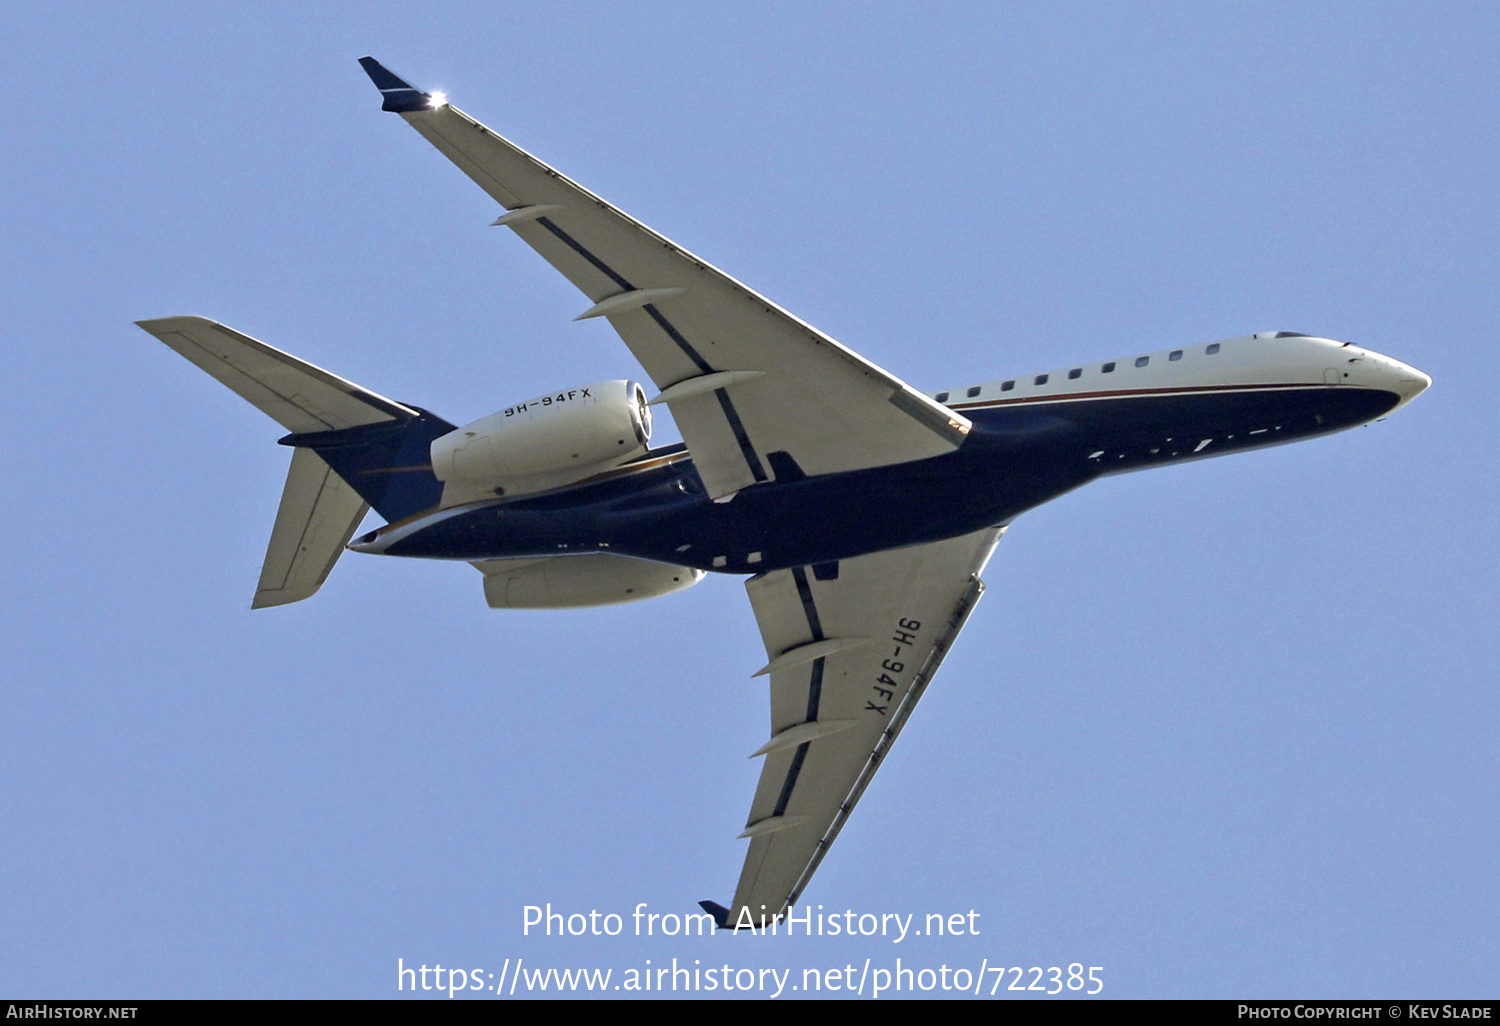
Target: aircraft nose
<point>1407,382</point>
<point>1376,370</point>
<point>1410,382</point>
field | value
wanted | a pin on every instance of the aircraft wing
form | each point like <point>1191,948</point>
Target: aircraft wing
<point>756,392</point>
<point>850,655</point>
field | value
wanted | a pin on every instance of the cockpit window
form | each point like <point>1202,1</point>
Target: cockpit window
<point>1290,334</point>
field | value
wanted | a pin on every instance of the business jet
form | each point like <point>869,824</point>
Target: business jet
<point>862,510</point>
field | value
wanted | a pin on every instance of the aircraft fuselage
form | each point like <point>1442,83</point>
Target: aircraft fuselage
<point>1032,440</point>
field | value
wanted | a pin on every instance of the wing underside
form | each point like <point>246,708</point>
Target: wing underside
<point>757,393</point>
<point>850,656</point>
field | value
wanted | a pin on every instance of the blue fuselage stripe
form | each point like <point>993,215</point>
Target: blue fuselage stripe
<point>810,608</point>
<point>577,247</point>
<point>791,778</point>
<point>676,336</point>
<point>814,687</point>
<point>741,437</point>
<point>752,459</point>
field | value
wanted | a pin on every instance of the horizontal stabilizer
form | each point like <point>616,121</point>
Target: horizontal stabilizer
<point>298,396</point>
<point>319,514</point>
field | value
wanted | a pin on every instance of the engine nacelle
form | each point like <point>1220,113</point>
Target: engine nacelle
<point>592,579</point>
<point>545,442</point>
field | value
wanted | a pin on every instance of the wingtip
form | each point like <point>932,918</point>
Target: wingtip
<point>719,912</point>
<point>398,95</point>
<point>156,324</point>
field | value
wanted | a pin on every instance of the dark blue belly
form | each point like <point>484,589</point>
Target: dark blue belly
<point>1017,457</point>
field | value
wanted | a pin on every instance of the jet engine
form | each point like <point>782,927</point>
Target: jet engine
<point>586,579</point>
<point>546,442</point>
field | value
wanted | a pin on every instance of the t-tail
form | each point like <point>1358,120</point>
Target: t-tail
<point>352,449</point>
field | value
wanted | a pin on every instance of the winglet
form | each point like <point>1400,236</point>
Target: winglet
<point>400,95</point>
<point>719,912</point>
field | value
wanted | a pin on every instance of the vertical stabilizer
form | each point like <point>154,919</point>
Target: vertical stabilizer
<point>318,515</point>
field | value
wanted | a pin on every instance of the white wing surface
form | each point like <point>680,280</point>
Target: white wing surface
<point>319,512</point>
<point>756,392</point>
<point>849,658</point>
<point>298,396</point>
<point>318,515</point>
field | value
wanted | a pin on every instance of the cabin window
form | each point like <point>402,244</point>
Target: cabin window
<point>1141,361</point>
<point>1175,354</point>
<point>1108,368</point>
<point>1006,386</point>
<point>1076,372</point>
<point>1212,349</point>
<point>942,397</point>
<point>1041,379</point>
<point>973,391</point>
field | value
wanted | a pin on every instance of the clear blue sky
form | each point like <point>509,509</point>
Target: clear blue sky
<point>1224,729</point>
